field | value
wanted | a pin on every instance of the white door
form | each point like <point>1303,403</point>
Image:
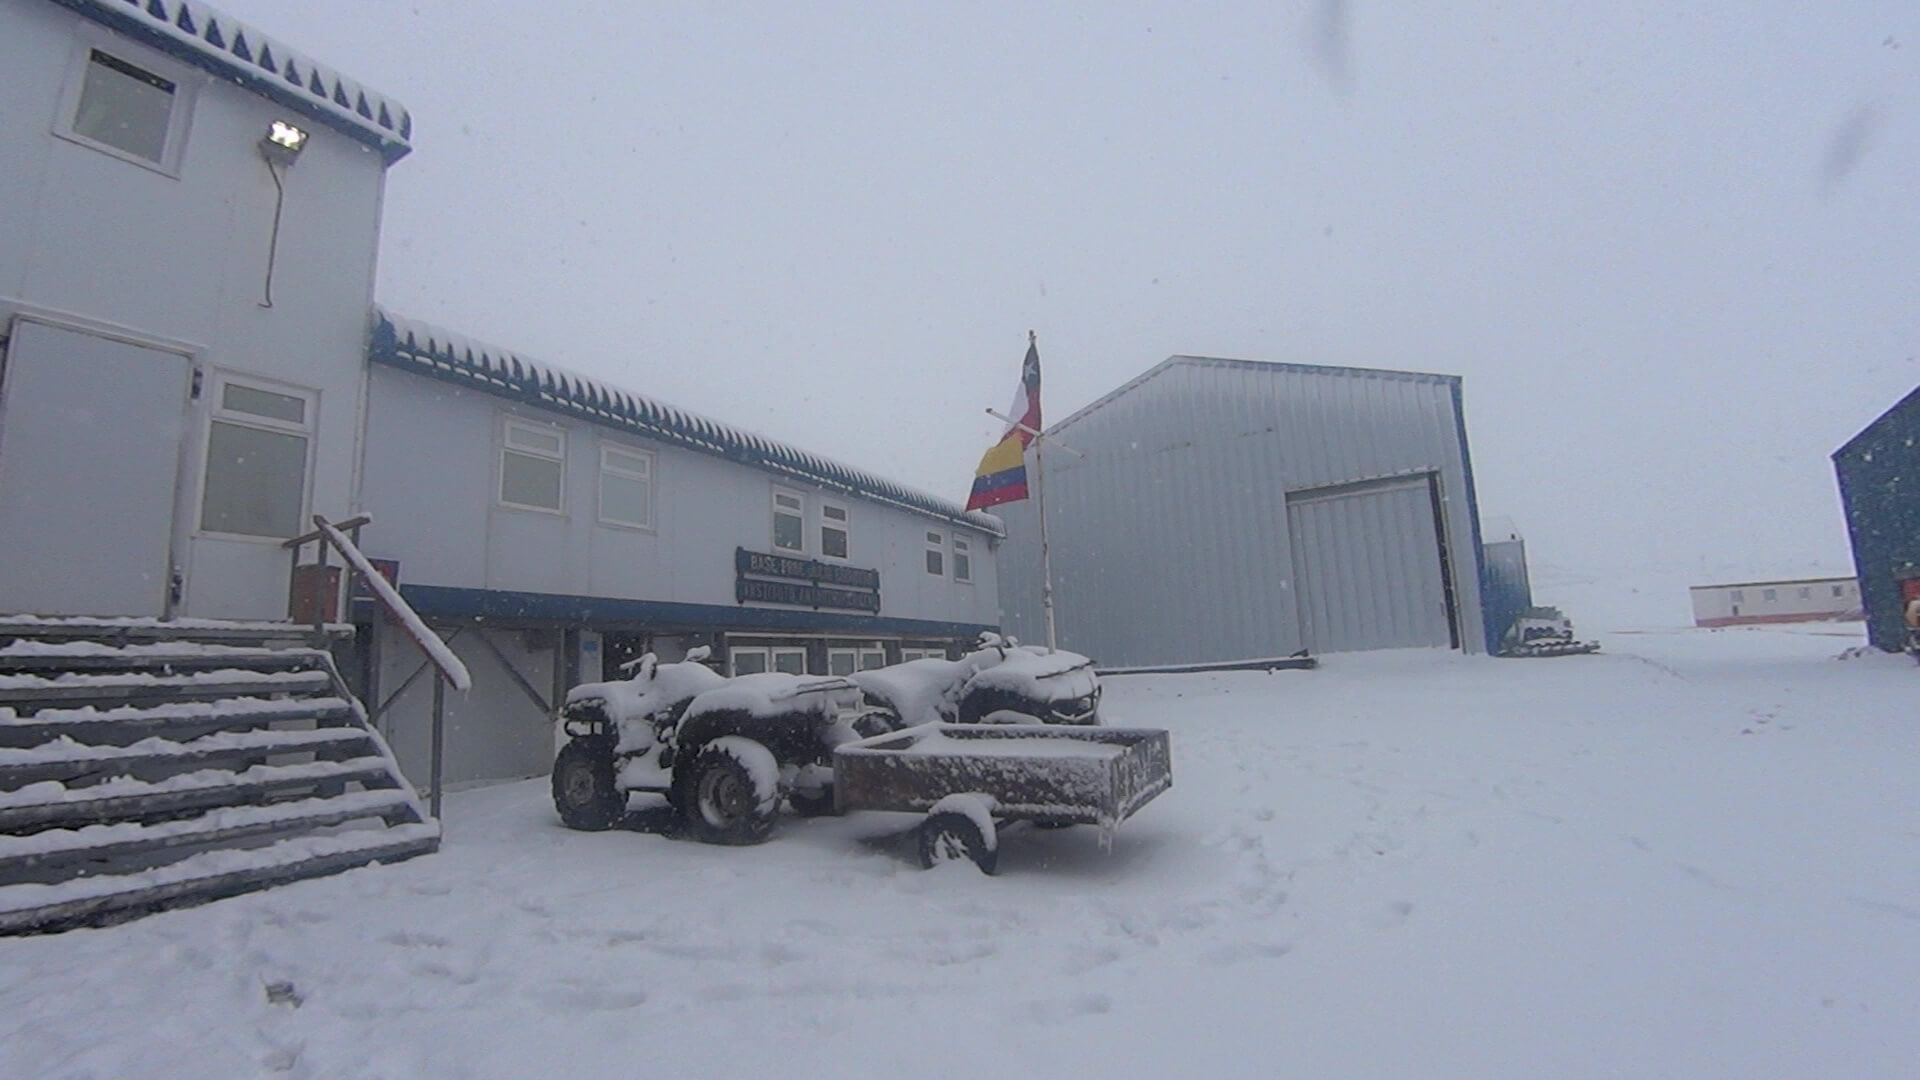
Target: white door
<point>1367,567</point>
<point>90,439</point>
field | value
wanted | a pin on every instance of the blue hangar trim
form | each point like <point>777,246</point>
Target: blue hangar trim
<point>447,602</point>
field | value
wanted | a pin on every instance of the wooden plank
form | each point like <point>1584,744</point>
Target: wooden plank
<point>71,813</point>
<point>117,631</point>
<point>395,806</point>
<point>181,662</point>
<point>142,689</point>
<point>177,720</point>
<point>185,755</point>
<point>145,900</point>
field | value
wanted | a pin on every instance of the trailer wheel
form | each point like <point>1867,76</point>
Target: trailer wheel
<point>732,791</point>
<point>583,786</point>
<point>948,835</point>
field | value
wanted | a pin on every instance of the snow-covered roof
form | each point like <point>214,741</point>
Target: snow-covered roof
<point>430,350</point>
<point>218,42</point>
<point>1266,366</point>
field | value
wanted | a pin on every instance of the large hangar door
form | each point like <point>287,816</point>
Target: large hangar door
<point>1368,567</point>
<point>90,438</point>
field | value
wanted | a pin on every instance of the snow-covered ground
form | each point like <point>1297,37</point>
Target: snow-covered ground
<point>1695,855</point>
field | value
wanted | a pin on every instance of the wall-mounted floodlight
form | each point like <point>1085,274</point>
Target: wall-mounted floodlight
<point>283,142</point>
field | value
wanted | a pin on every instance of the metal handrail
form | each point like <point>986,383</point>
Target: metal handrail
<point>344,537</point>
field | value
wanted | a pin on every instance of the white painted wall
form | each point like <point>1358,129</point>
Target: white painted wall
<point>433,452</point>
<point>1819,598</point>
<point>179,262</point>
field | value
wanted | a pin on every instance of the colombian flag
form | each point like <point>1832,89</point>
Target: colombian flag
<point>1002,475</point>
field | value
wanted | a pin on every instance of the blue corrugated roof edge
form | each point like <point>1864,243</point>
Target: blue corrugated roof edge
<point>211,39</point>
<point>430,350</point>
<point>1886,419</point>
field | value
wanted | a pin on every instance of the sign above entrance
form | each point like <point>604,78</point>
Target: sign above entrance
<point>803,582</point>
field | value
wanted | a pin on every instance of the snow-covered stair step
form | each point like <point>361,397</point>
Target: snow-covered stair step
<point>130,723</point>
<point>67,760</point>
<point>24,692</point>
<point>51,804</point>
<point>126,630</point>
<point>184,656</point>
<point>93,843</point>
<point>206,876</point>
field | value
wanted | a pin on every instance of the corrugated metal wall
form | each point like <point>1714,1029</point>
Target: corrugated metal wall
<point>1879,474</point>
<point>1171,535</point>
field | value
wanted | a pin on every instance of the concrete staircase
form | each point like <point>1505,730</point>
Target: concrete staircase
<point>147,765</point>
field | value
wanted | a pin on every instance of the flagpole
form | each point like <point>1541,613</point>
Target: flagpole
<point>1040,505</point>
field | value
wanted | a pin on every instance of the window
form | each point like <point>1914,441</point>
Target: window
<point>626,487</point>
<point>748,661</point>
<point>1739,597</point>
<point>842,661</point>
<point>129,109</point>
<point>791,661</point>
<point>962,560</point>
<point>789,520</point>
<point>872,658</point>
<point>1806,593</point>
<point>936,554</point>
<point>256,478</point>
<point>532,466</point>
<point>1839,590</point>
<point>1769,595</point>
<point>834,534</point>
<point>922,654</point>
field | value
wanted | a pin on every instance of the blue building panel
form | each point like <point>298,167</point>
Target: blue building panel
<point>1879,476</point>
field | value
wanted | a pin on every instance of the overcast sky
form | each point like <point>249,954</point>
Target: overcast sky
<point>1672,248</point>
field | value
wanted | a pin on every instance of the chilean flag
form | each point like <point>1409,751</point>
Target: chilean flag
<point>1002,475</point>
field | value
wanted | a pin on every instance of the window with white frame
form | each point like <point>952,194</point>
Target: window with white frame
<point>533,465</point>
<point>789,521</point>
<point>1806,592</point>
<point>255,482</point>
<point>1839,591</point>
<point>843,661</point>
<point>748,661</point>
<point>1769,595</point>
<point>873,658</point>
<point>793,661</point>
<point>1738,597</point>
<point>922,654</point>
<point>125,102</point>
<point>835,530</point>
<point>937,554</point>
<point>626,487</point>
<point>962,559</point>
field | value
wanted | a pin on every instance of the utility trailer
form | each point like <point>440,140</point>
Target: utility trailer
<point>965,778</point>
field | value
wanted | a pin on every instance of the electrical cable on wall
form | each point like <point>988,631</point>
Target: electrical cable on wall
<point>273,238</point>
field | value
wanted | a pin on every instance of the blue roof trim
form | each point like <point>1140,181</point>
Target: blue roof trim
<point>217,42</point>
<point>431,351</point>
<point>448,602</point>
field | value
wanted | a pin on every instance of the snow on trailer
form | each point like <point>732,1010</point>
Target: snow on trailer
<point>1049,774</point>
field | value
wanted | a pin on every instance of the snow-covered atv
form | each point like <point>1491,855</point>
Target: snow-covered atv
<point>723,751</point>
<point>999,683</point>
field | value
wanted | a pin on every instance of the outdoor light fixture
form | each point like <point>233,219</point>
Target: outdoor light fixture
<point>283,142</point>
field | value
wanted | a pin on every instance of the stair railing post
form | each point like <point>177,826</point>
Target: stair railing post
<point>439,729</point>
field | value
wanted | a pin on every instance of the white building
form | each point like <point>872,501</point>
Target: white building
<point>182,315</point>
<point>193,367</point>
<point>1224,510</point>
<point>1799,600</point>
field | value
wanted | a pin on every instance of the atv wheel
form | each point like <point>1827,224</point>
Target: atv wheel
<point>583,786</point>
<point>732,790</point>
<point>950,835</point>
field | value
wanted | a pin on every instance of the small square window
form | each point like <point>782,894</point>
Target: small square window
<point>962,560</point>
<point>626,487</point>
<point>1838,591</point>
<point>748,661</point>
<point>789,521</point>
<point>1739,597</point>
<point>1769,595</point>
<point>790,661</point>
<point>532,466</point>
<point>125,106</point>
<point>835,531</point>
<point>1806,593</point>
<point>937,554</point>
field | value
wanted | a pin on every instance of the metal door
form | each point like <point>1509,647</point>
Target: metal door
<point>91,431</point>
<point>1367,567</point>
